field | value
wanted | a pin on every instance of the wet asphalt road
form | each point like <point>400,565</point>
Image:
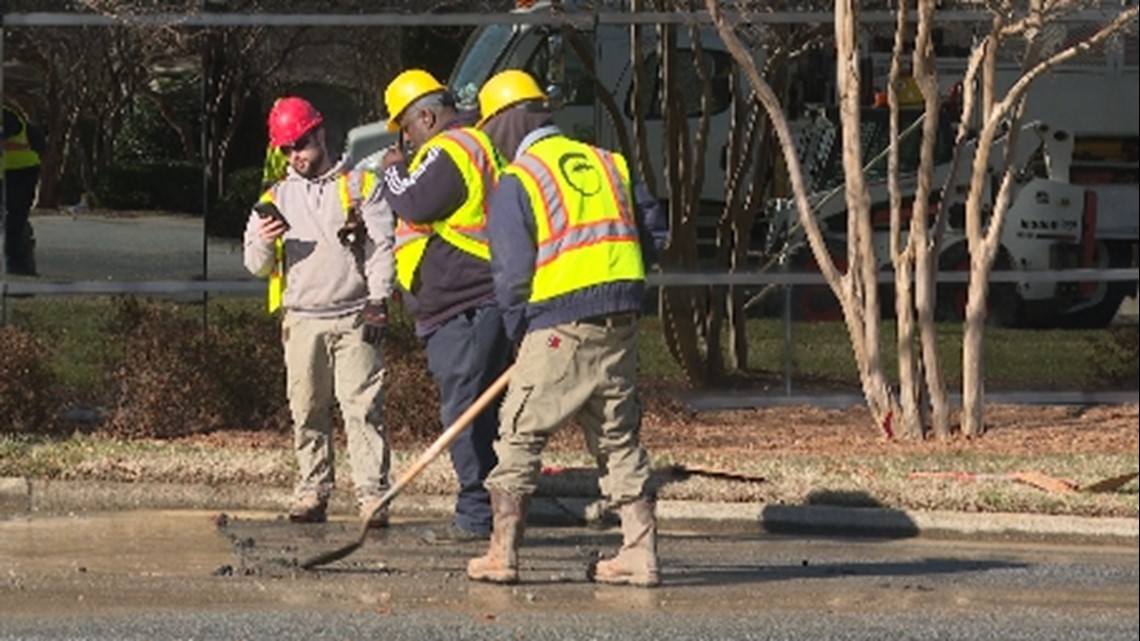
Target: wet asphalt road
<point>190,575</point>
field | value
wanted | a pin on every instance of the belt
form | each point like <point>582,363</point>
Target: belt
<point>625,319</point>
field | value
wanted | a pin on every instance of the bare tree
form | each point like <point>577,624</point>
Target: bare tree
<point>999,113</point>
<point>856,289</point>
<point>98,75</point>
<point>914,254</point>
<point>697,320</point>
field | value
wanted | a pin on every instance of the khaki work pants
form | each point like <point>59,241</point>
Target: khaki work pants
<point>575,369</point>
<point>327,360</point>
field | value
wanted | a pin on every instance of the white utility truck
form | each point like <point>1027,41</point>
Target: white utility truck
<point>1082,212</point>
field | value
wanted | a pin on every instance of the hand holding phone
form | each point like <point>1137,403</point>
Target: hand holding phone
<point>270,210</point>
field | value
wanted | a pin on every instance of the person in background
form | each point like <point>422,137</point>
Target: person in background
<point>23,146</point>
<point>323,235</point>
<point>571,236</point>
<point>443,267</point>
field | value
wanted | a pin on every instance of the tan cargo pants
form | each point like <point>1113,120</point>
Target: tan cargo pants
<point>575,369</point>
<point>327,360</point>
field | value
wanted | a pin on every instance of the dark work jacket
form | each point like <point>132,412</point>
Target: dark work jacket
<point>449,281</point>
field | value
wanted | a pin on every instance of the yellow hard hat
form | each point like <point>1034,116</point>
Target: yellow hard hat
<point>405,89</point>
<point>506,89</point>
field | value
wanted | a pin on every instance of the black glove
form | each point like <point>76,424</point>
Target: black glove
<point>374,319</point>
<point>352,233</point>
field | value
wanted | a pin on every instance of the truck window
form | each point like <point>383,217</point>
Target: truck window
<point>477,61</point>
<point>577,86</point>
<point>718,66</point>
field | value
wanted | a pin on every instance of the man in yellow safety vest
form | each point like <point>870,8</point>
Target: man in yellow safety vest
<point>443,267</point>
<point>571,234</point>
<point>22,149</point>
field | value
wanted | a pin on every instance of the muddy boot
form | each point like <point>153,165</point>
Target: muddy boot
<point>636,562</point>
<point>309,508</point>
<point>501,562</point>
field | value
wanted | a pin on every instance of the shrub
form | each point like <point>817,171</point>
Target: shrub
<point>175,379</point>
<point>411,399</point>
<point>27,385</point>
<point>158,386</point>
<point>1115,355</point>
<point>167,186</point>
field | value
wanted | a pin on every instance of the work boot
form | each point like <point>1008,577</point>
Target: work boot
<point>636,562</point>
<point>309,508</point>
<point>374,513</point>
<point>501,562</point>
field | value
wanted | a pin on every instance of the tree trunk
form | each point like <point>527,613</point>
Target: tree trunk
<point>902,254</point>
<point>859,298</point>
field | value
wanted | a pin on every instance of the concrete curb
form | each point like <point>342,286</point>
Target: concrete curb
<point>18,495</point>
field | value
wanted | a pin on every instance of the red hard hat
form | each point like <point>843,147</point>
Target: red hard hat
<point>291,118</point>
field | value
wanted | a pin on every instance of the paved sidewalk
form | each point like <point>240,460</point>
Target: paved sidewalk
<point>18,495</point>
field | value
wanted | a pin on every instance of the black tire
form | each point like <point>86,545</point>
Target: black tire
<point>1101,314</point>
<point>1004,306</point>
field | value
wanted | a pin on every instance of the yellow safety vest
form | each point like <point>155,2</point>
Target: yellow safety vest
<point>351,185</point>
<point>18,152</point>
<point>584,215</point>
<point>478,163</point>
<point>275,167</point>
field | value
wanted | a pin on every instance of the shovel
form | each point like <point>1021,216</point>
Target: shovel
<point>427,457</point>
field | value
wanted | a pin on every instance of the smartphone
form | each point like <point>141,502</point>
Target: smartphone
<point>269,210</point>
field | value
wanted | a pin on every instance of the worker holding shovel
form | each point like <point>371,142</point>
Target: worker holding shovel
<point>569,245</point>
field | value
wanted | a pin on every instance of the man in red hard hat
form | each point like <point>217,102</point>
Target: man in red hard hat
<point>323,235</point>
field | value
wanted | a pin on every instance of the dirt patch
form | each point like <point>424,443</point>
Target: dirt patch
<point>804,456</point>
<point>1011,431</point>
<point>1014,431</point>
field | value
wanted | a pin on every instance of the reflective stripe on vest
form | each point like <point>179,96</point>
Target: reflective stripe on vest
<point>18,152</point>
<point>351,187</point>
<point>586,231</point>
<point>474,156</point>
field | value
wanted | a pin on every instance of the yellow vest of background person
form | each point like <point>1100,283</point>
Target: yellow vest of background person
<point>275,168</point>
<point>18,150</point>
<point>584,214</point>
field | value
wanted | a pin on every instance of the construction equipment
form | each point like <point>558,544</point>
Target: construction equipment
<point>1075,202</point>
<point>1052,223</point>
<point>435,449</point>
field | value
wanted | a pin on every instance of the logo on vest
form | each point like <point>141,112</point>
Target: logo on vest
<point>578,172</point>
<point>553,341</point>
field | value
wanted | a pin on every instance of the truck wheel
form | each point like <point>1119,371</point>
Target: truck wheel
<point>1003,304</point>
<point>1101,313</point>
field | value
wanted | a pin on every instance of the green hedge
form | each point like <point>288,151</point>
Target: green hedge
<point>175,187</point>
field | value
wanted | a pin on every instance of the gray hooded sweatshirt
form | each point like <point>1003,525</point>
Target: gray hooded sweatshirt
<point>323,278</point>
